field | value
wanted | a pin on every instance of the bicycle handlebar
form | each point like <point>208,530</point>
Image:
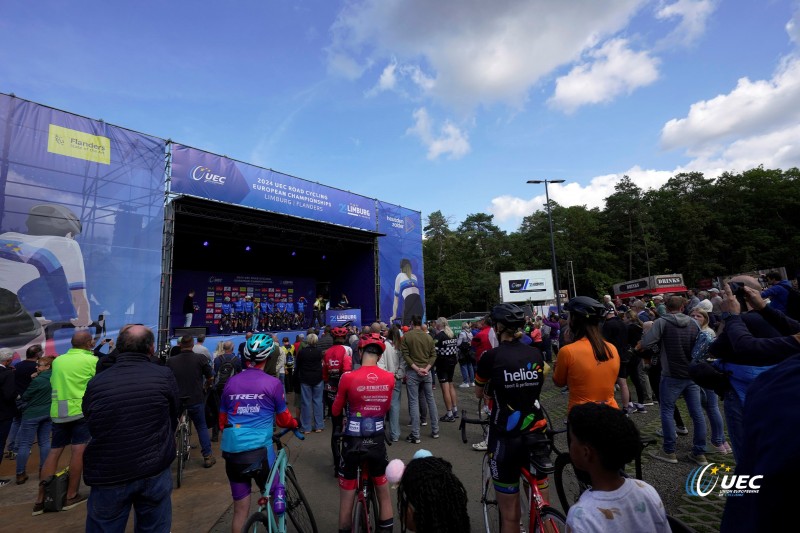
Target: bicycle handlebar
<point>297,433</point>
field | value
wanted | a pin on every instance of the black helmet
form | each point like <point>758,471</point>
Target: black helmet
<point>586,307</point>
<point>510,315</point>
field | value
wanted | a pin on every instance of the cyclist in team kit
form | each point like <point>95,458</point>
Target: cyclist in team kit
<point>238,314</point>
<point>337,360</point>
<point>249,314</point>
<point>252,401</point>
<point>515,373</point>
<point>290,316</point>
<point>368,394</point>
<point>301,311</point>
<point>225,320</point>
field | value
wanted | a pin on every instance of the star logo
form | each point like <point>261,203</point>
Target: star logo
<point>714,470</point>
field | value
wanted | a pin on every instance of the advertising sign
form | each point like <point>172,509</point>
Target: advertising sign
<point>527,285</point>
<point>81,207</point>
<point>636,285</point>
<point>340,317</point>
<point>669,280</point>
<point>218,178</point>
<point>402,278</point>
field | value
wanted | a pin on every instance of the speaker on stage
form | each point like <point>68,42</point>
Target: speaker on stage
<point>194,331</point>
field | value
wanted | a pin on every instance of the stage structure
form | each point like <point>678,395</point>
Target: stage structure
<point>102,226</point>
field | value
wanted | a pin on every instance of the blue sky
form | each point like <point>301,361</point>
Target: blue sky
<point>448,105</point>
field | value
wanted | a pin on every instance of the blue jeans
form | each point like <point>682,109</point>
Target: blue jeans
<point>714,417</point>
<point>467,373</point>
<point>311,396</point>
<point>735,419</point>
<point>413,383</point>
<point>13,441</point>
<point>39,427</point>
<point>109,506</point>
<point>197,413</point>
<point>670,391</point>
<point>394,410</point>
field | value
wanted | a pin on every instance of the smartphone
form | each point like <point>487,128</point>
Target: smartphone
<point>738,290</point>
<point>107,339</point>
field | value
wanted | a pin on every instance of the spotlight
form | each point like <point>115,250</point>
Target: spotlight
<point>323,258</point>
<point>294,253</point>
<point>247,248</point>
<point>205,243</point>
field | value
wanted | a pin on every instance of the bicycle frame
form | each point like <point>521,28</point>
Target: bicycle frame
<point>365,493</point>
<point>276,523</point>
<point>535,500</point>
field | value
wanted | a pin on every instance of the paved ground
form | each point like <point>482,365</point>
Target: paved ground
<point>203,503</point>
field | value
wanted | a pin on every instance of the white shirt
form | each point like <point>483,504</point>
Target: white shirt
<point>635,506</point>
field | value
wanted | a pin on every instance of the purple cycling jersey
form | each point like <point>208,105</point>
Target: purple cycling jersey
<point>251,399</point>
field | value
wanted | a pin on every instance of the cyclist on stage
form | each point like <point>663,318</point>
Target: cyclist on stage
<point>249,313</point>
<point>225,321</point>
<point>368,394</point>
<point>238,313</point>
<point>301,311</point>
<point>337,360</point>
<point>290,316</point>
<point>515,373</point>
<point>252,401</point>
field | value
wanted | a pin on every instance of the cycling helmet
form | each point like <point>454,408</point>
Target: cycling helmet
<point>510,315</point>
<point>52,219</point>
<point>258,347</point>
<point>372,339</point>
<point>585,307</point>
<point>227,299</point>
<point>339,332</point>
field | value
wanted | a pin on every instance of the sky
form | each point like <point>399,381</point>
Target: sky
<point>447,105</point>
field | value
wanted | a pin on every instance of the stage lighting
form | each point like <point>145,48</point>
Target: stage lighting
<point>247,248</point>
<point>323,258</point>
<point>294,253</point>
<point>205,243</point>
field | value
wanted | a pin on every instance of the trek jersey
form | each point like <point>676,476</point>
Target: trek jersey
<point>226,308</point>
<point>516,374</point>
<point>238,306</point>
<point>338,360</point>
<point>368,393</point>
<point>251,400</point>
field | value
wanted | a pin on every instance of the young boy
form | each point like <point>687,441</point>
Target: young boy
<point>602,441</point>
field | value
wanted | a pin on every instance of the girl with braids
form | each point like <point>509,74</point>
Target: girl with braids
<point>590,365</point>
<point>431,499</point>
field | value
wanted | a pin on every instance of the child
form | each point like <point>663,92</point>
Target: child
<point>430,498</point>
<point>602,441</point>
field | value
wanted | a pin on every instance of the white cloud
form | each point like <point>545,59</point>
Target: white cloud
<point>752,108</point>
<point>477,52</point>
<point>393,74</point>
<point>793,27</point>
<point>451,141</point>
<point>692,14</point>
<point>387,81</point>
<point>615,69</point>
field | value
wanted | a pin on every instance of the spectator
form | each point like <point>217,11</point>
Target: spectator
<point>431,498</point>
<point>778,291</point>
<point>676,334</point>
<point>193,372</point>
<point>243,344</point>
<point>693,300</point>
<point>226,365</point>
<point>71,372</point>
<point>661,308</point>
<point>287,350</point>
<point>393,362</point>
<point>129,464</point>
<point>602,441</point>
<point>616,332</point>
<point>636,367</point>
<point>446,359</point>
<point>36,422</point>
<point>466,357</point>
<point>23,372</point>
<point>8,408</point>
<point>325,341</point>
<point>274,359</point>
<point>419,353</point>
<point>308,364</point>
<point>201,349</point>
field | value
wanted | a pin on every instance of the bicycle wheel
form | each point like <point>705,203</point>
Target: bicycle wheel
<point>373,510</point>
<point>568,486</point>
<point>491,512</point>
<point>181,442</point>
<point>297,506</point>
<point>552,521</point>
<point>256,522</point>
<point>359,518</point>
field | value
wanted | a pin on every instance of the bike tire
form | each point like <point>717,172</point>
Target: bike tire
<point>297,507</point>
<point>373,510</point>
<point>359,514</point>
<point>254,521</point>
<point>182,439</point>
<point>551,521</point>
<point>568,486</point>
<point>491,510</point>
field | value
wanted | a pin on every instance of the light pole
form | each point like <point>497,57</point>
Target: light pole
<point>552,241</point>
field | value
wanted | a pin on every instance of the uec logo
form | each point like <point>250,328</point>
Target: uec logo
<point>204,174</point>
<point>703,480</point>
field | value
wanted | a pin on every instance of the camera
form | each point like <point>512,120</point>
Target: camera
<point>737,288</point>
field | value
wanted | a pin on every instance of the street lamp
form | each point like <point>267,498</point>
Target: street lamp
<point>552,241</point>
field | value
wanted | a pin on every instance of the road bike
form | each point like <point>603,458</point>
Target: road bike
<point>536,515</point>
<point>182,446</point>
<point>297,508</point>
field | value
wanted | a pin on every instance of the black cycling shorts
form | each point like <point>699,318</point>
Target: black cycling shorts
<point>355,450</point>
<point>243,467</point>
<point>507,456</point>
<point>445,370</point>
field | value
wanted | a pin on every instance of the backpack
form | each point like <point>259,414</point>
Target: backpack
<point>289,359</point>
<point>546,330</point>
<point>793,303</point>
<point>226,371</point>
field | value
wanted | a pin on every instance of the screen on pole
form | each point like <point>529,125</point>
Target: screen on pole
<point>522,286</point>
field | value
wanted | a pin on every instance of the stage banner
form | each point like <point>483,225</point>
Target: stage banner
<point>340,317</point>
<point>211,289</point>
<point>218,178</point>
<point>81,223</point>
<point>401,271</point>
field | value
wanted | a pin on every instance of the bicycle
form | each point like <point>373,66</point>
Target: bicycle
<point>182,446</point>
<point>297,507</point>
<point>536,514</point>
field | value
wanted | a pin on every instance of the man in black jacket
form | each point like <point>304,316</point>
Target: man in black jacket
<point>8,408</point>
<point>132,411</point>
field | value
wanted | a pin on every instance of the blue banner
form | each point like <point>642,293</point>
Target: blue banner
<point>402,279</point>
<point>218,178</point>
<point>81,223</point>
<point>340,317</point>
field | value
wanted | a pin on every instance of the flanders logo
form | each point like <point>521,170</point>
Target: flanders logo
<point>74,143</point>
<point>703,480</point>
